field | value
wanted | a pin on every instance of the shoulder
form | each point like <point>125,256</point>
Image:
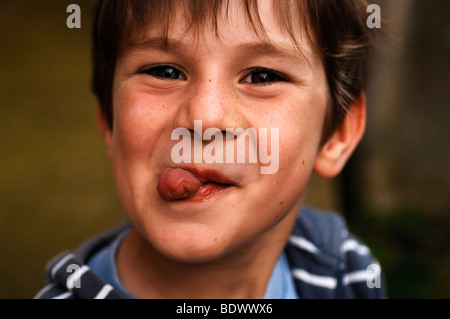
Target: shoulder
<point>329,262</point>
<point>323,228</point>
<point>69,277</point>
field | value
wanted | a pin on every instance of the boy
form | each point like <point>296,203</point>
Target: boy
<point>182,85</point>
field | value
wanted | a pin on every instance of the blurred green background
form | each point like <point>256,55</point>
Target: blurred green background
<point>56,187</point>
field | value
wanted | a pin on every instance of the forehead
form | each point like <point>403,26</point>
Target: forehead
<point>270,23</point>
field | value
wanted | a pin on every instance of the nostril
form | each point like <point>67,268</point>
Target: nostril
<point>222,134</point>
<point>210,134</point>
<point>229,134</point>
<point>196,134</point>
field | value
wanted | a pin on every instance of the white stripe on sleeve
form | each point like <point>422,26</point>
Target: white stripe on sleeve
<point>353,245</point>
<point>59,265</point>
<point>304,244</point>
<point>104,292</point>
<point>354,277</point>
<point>44,290</point>
<point>63,296</point>
<point>315,280</point>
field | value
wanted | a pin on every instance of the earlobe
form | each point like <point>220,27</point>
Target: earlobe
<point>333,155</point>
<point>105,131</point>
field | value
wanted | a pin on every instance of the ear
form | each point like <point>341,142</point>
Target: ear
<point>333,155</point>
<point>106,132</point>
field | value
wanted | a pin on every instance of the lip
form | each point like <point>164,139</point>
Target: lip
<point>214,183</point>
<point>210,176</point>
<point>207,191</point>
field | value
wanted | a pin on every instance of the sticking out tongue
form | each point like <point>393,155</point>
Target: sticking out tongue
<point>177,183</point>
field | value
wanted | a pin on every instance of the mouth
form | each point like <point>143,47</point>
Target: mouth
<point>192,185</point>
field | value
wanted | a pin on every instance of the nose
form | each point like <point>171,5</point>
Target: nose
<point>214,102</point>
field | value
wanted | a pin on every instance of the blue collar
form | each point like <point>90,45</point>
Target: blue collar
<point>281,283</point>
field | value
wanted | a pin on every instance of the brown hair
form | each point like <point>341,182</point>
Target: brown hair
<point>336,28</point>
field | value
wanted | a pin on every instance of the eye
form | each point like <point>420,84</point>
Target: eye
<point>262,76</point>
<point>165,72</point>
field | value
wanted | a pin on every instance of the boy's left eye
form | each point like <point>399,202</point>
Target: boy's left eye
<point>262,76</point>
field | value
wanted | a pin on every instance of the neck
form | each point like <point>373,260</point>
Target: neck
<point>244,273</point>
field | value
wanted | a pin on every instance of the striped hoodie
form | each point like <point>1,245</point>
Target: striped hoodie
<point>326,262</point>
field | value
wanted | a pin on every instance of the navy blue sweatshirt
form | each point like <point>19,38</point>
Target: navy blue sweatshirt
<point>325,260</point>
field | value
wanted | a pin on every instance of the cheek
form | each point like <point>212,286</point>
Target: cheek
<point>300,124</point>
<point>138,122</point>
<point>138,126</point>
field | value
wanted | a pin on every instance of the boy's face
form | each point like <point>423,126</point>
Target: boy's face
<point>235,81</point>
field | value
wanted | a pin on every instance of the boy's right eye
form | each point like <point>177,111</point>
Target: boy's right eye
<point>165,72</point>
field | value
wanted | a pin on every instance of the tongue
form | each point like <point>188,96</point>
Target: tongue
<point>177,183</point>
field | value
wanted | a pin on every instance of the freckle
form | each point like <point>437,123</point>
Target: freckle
<point>215,239</point>
<point>303,162</point>
<point>281,203</point>
<point>209,80</point>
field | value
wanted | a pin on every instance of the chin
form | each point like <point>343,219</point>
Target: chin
<point>192,247</point>
<point>192,254</point>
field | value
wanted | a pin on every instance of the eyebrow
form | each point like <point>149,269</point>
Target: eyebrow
<point>256,48</point>
<point>295,55</point>
<point>157,43</point>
